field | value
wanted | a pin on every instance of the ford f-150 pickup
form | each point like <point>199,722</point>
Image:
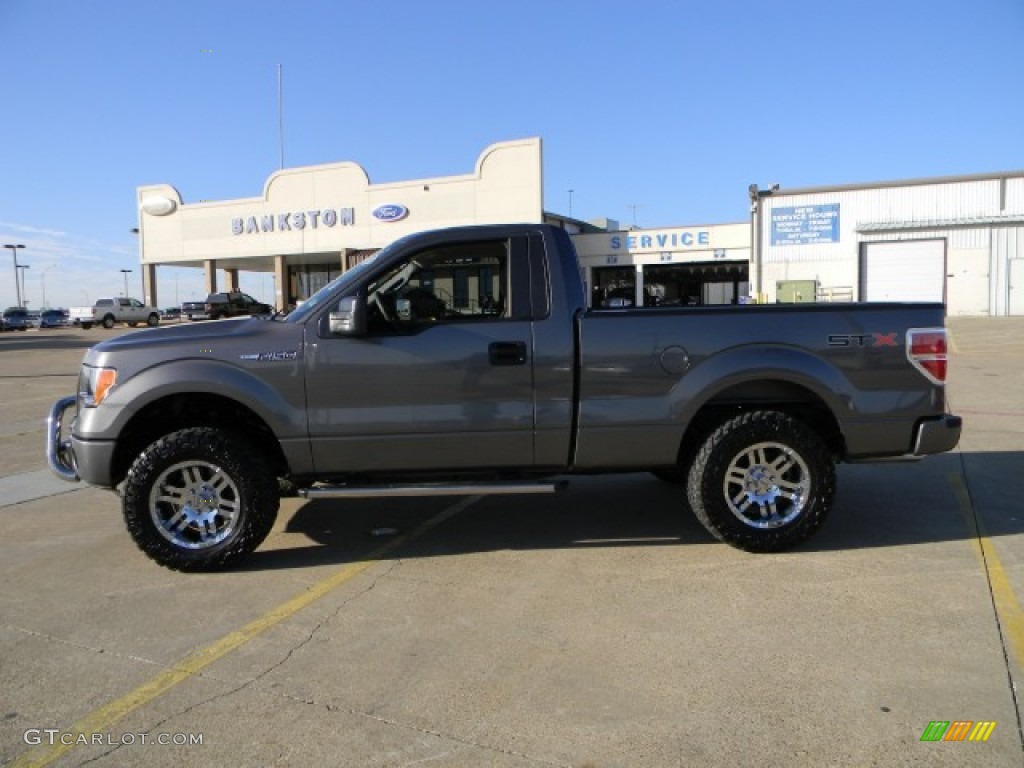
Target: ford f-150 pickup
<point>465,361</point>
<point>107,312</point>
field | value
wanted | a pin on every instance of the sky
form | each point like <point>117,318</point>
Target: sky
<point>657,113</point>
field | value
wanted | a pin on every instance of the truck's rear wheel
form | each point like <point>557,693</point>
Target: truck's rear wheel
<point>199,500</point>
<point>762,482</point>
<point>153,320</point>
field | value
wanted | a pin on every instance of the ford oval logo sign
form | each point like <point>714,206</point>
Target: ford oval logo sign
<point>391,212</point>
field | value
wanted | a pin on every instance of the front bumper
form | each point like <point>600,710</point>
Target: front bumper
<point>937,435</point>
<point>59,455</point>
<point>74,459</point>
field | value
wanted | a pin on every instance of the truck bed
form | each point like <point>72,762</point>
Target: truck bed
<point>847,358</point>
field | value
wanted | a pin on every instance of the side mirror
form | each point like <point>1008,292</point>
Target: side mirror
<point>350,317</point>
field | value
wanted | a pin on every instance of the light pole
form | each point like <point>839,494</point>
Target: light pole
<point>42,280</point>
<point>23,296</point>
<point>126,273</point>
<point>14,253</point>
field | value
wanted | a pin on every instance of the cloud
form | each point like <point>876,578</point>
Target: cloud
<point>65,267</point>
<point>32,230</point>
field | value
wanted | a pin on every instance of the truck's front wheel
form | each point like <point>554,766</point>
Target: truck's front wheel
<point>199,500</point>
<point>108,321</point>
<point>762,482</point>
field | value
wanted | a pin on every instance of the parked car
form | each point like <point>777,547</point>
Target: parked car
<point>107,312</point>
<point>53,318</point>
<point>225,304</point>
<point>16,319</point>
<point>171,313</point>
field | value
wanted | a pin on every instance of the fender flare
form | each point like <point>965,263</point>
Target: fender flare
<point>200,377</point>
<point>750,364</point>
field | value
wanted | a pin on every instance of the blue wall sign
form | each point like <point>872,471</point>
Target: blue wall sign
<point>390,212</point>
<point>805,224</point>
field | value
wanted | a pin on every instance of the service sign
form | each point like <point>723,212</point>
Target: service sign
<point>660,240</point>
<point>805,224</point>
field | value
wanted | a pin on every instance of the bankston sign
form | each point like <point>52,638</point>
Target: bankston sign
<point>286,222</point>
<point>327,217</point>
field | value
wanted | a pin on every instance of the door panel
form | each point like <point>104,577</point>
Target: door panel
<point>442,378</point>
<point>428,401</point>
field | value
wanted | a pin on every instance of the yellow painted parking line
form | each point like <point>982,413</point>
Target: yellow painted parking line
<point>1008,608</point>
<point>100,720</point>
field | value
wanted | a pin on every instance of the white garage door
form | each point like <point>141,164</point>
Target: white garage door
<point>908,270</point>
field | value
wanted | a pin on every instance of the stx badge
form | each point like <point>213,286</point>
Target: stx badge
<point>863,340</point>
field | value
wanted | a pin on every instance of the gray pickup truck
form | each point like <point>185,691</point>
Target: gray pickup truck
<point>465,361</point>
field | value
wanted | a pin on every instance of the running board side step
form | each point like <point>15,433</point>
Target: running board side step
<point>412,490</point>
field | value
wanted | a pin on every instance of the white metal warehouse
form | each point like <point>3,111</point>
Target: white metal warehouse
<point>956,239</point>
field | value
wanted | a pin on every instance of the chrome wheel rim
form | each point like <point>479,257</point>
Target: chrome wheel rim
<point>195,505</point>
<point>767,485</point>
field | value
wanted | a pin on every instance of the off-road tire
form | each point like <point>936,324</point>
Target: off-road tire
<point>227,492</point>
<point>762,481</point>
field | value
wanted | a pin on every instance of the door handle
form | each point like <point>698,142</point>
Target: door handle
<point>507,352</point>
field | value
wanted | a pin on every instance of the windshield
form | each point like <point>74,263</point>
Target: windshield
<point>340,285</point>
<point>314,301</point>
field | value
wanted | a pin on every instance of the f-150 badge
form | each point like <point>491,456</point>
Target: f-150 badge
<point>271,357</point>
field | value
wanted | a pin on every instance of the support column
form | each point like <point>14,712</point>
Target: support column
<point>232,278</point>
<point>149,285</point>
<point>282,286</point>
<point>210,268</point>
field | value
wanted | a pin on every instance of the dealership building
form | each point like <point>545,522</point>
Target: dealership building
<point>958,239</point>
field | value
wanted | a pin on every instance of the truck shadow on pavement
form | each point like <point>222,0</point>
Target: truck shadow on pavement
<point>878,505</point>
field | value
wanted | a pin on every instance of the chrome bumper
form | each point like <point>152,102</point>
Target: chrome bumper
<point>58,450</point>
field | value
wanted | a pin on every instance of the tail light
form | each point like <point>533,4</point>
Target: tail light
<point>928,352</point>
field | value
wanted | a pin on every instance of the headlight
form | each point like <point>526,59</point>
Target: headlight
<point>95,384</point>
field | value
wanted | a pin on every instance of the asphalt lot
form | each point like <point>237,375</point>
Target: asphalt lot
<point>597,628</point>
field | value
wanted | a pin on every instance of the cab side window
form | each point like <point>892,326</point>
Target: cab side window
<point>448,284</point>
